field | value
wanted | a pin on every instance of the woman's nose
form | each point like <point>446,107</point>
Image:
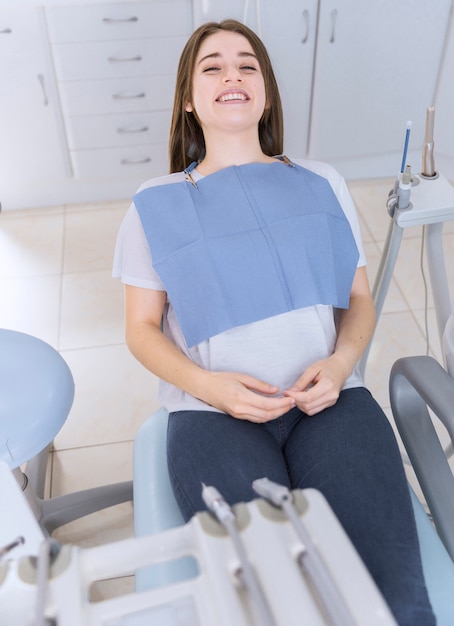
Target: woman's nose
<point>232,74</point>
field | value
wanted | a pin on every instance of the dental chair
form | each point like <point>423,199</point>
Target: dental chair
<point>156,510</point>
<point>36,395</point>
<point>422,392</point>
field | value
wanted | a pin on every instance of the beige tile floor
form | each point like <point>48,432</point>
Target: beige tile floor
<point>55,283</point>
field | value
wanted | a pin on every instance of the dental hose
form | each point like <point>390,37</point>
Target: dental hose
<point>247,576</point>
<point>309,559</point>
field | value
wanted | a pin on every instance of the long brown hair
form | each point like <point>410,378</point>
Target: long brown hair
<point>186,143</point>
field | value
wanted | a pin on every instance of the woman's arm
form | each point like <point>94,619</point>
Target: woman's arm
<point>321,383</point>
<point>237,394</point>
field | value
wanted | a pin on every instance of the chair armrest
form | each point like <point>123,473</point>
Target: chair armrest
<point>417,383</point>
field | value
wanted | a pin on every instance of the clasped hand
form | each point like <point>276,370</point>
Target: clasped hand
<point>245,397</point>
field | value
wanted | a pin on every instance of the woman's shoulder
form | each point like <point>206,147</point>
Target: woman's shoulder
<point>158,181</point>
<point>318,167</point>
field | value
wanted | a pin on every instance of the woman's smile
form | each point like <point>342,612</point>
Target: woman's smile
<point>233,95</point>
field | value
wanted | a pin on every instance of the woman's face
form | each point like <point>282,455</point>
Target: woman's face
<point>228,90</point>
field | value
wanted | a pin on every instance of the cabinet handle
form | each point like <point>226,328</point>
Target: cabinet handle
<point>333,25</point>
<point>124,59</point>
<point>135,161</point>
<point>119,20</point>
<point>124,131</point>
<point>43,88</point>
<point>128,96</point>
<point>306,21</point>
<point>6,31</point>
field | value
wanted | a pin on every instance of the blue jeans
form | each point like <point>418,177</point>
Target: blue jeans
<point>348,452</point>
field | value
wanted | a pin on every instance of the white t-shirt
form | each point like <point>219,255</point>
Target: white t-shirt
<point>277,349</point>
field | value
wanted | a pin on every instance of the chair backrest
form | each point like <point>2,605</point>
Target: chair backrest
<point>155,507</point>
<point>36,395</point>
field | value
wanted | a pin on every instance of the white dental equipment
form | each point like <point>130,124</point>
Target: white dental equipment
<point>432,204</point>
<point>54,588</point>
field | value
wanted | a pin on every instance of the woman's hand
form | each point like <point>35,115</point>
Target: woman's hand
<point>238,395</point>
<point>245,397</point>
<point>320,385</point>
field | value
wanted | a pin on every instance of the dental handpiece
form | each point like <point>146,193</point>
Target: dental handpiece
<point>428,162</point>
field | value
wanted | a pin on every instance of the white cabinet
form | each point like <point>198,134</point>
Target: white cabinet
<point>87,85</point>
<point>444,107</point>
<point>86,94</point>
<point>32,146</point>
<point>376,68</point>
<point>351,74</point>
<point>115,66</point>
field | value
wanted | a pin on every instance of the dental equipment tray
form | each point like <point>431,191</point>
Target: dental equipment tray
<point>216,595</point>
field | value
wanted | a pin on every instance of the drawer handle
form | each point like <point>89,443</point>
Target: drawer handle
<point>333,17</point>
<point>306,21</point>
<point>135,161</point>
<point>124,59</point>
<point>128,96</point>
<point>6,31</point>
<point>119,20</point>
<point>42,83</point>
<point>142,129</point>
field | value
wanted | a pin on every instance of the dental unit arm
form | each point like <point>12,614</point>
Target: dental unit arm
<point>430,204</point>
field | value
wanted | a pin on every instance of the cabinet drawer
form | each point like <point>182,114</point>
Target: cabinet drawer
<point>103,131</point>
<point>108,59</point>
<point>140,163</point>
<point>127,20</point>
<point>150,93</point>
<point>17,29</point>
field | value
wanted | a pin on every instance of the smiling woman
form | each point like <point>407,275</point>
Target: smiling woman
<point>228,96</point>
<point>246,293</point>
<point>187,140</point>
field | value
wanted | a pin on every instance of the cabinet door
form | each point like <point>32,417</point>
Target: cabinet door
<point>444,107</point>
<point>289,31</point>
<point>376,68</point>
<point>31,148</point>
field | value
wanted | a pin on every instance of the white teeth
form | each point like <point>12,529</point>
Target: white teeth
<point>232,96</point>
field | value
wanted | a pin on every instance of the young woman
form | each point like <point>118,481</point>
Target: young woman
<point>247,295</point>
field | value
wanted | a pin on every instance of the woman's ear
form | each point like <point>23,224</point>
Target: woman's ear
<point>188,107</point>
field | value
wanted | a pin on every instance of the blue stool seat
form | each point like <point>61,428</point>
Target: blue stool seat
<point>437,566</point>
<point>36,394</point>
<point>156,510</point>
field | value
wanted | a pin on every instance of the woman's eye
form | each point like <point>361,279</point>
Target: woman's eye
<point>248,68</point>
<point>212,68</point>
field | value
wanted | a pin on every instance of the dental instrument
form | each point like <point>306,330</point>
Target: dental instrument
<point>399,196</point>
<point>309,558</point>
<point>246,574</point>
<point>404,155</point>
<point>428,161</point>
<point>404,189</point>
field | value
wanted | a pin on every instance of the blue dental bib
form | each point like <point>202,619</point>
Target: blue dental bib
<point>246,243</point>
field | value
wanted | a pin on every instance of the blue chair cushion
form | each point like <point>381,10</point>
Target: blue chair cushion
<point>437,565</point>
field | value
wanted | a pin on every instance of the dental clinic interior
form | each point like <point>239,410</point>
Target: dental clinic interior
<point>86,93</point>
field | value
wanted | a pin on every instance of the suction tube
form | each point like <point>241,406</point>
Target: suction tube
<point>428,162</point>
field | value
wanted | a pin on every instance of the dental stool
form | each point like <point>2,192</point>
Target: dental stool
<point>36,395</point>
<point>156,510</point>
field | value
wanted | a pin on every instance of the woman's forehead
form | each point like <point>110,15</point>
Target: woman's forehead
<point>222,42</point>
